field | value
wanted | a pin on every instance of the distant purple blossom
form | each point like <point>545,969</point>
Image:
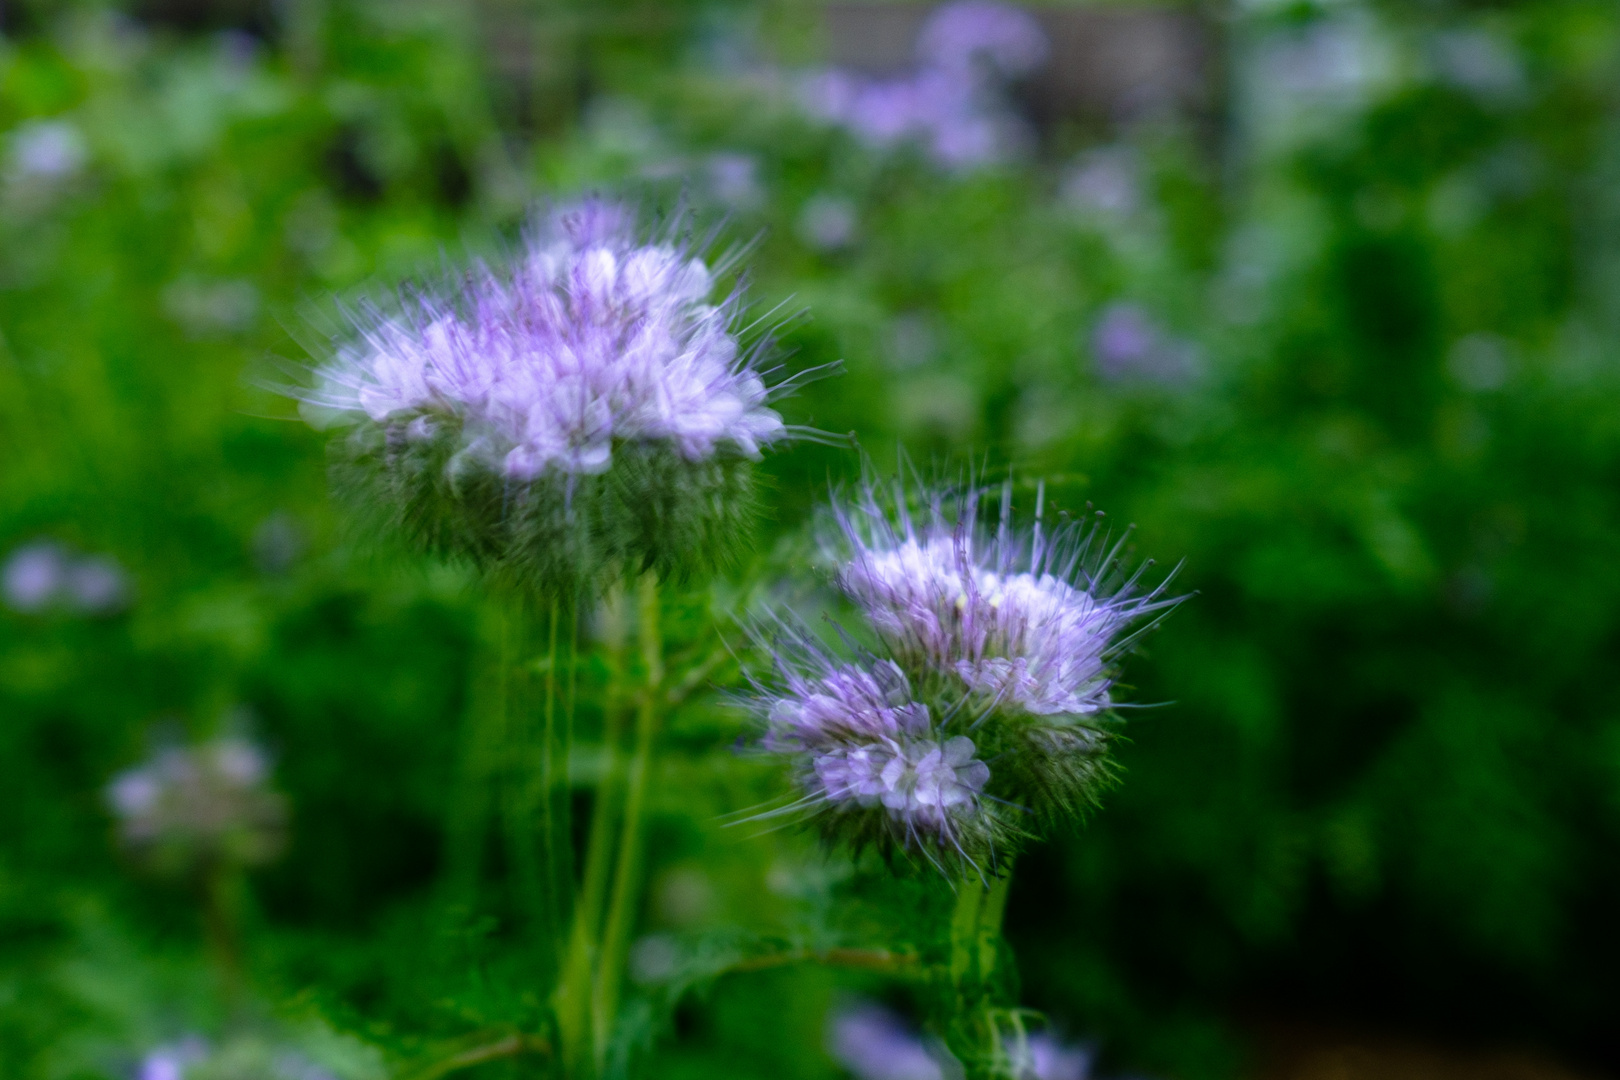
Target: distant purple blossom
<point>45,574</point>
<point>874,1044</point>
<point>963,35</point>
<point>188,807</point>
<point>47,151</point>
<point>952,103</point>
<point>1013,616</point>
<point>171,1061</point>
<point>1045,1057</point>
<point>590,338</point>
<point>1130,347</point>
<point>33,576</point>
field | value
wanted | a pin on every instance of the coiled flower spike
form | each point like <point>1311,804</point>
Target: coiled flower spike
<point>984,709</point>
<point>1026,627</point>
<point>584,411</point>
<point>874,765</point>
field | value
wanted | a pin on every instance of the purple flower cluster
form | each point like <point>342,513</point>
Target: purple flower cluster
<point>590,339</point>
<point>44,575</point>
<point>863,742</point>
<point>1012,617</point>
<point>952,102</point>
<point>187,808</point>
<point>991,684</point>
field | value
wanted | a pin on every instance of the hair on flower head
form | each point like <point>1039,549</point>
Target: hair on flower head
<point>583,409</point>
<point>1027,625</point>
<point>874,764</point>
<point>994,645</point>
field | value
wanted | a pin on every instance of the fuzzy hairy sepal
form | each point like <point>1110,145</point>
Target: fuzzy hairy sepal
<point>558,534</point>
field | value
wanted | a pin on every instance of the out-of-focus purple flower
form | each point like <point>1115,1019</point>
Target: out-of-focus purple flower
<point>47,151</point>
<point>44,574</point>
<point>171,1062</point>
<point>1044,1057</point>
<point>952,104</point>
<point>874,1044</point>
<point>592,338</point>
<point>34,576</point>
<point>1105,180</point>
<point>1129,347</point>
<point>963,35</point>
<point>734,180</point>
<point>188,808</point>
<point>96,586</point>
<point>828,222</point>
<point>1013,617</point>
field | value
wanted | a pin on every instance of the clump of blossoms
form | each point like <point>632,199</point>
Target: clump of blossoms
<point>986,709</point>
<point>584,411</point>
<point>190,810</point>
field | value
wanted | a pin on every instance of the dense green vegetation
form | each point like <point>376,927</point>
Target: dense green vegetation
<point>1376,421</point>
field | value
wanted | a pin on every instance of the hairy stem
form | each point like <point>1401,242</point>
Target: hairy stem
<point>627,872</point>
<point>976,949</point>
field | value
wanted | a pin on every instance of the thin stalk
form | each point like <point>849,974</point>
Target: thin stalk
<point>525,803</point>
<point>553,771</point>
<point>221,888</point>
<point>627,873</point>
<point>562,792</point>
<point>573,1006</point>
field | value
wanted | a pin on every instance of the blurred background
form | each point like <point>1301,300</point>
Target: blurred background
<point>1323,296</point>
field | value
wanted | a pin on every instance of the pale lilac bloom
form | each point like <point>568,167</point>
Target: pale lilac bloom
<point>1044,1057</point>
<point>33,576</point>
<point>47,151</point>
<point>874,1044</point>
<point>952,103</point>
<point>590,338</point>
<point>195,805</point>
<point>968,33</point>
<point>171,1062</point>
<point>96,586</point>
<point>863,741</point>
<point>1130,347</point>
<point>1017,618</point>
<point>828,222</point>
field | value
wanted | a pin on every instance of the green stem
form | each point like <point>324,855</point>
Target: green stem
<point>976,949</point>
<point>221,904</point>
<point>573,1003</point>
<point>627,874</point>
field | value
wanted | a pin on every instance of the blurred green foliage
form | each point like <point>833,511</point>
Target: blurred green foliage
<point>1390,466</point>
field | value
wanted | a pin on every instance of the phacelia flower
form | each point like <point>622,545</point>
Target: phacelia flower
<point>953,103</point>
<point>44,575</point>
<point>189,809</point>
<point>875,1044</point>
<point>873,764</point>
<point>588,407</point>
<point>984,704</point>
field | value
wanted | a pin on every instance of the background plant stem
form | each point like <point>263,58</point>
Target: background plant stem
<point>627,873</point>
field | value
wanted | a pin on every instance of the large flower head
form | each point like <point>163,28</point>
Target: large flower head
<point>873,764</point>
<point>586,407</point>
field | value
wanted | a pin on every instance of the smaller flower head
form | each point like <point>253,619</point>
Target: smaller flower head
<point>873,764</point>
<point>1020,629</point>
<point>585,408</point>
<point>190,808</point>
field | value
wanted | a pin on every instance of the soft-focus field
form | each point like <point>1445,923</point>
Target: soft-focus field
<point>1341,340</point>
